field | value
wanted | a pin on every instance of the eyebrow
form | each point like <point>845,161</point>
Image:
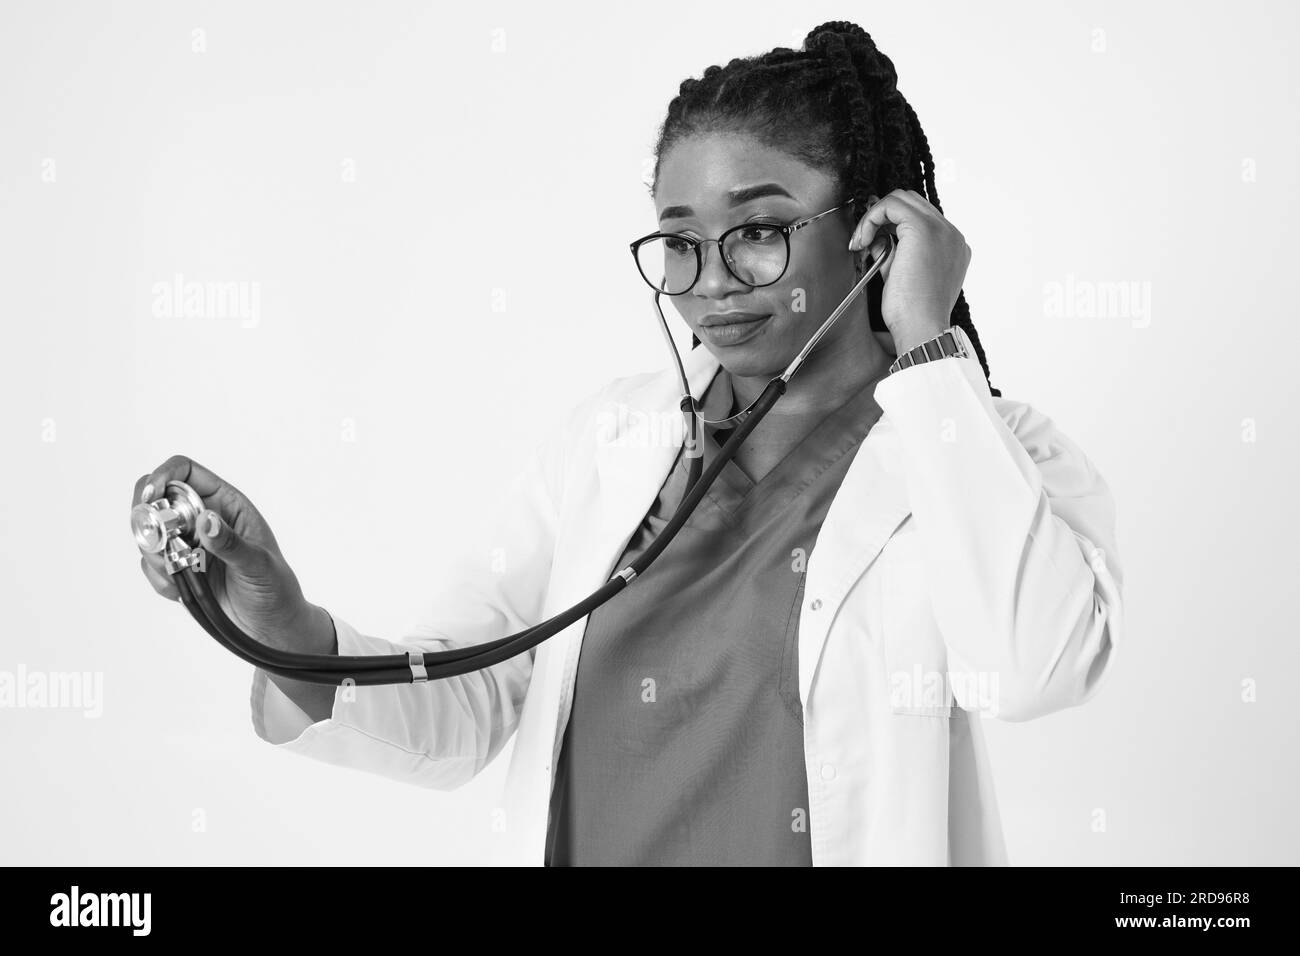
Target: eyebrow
<point>738,197</point>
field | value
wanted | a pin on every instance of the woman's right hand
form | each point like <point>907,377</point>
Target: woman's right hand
<point>249,577</point>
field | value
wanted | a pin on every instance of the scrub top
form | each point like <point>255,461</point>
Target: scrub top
<point>684,745</point>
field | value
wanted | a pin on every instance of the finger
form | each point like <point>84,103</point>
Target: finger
<point>918,202</point>
<point>881,247</point>
<point>902,208</point>
<point>155,561</point>
<point>159,566</point>
<point>222,540</point>
<point>160,580</point>
<point>180,468</point>
<point>138,494</point>
<point>889,212</point>
<point>916,199</point>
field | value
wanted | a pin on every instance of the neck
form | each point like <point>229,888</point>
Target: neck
<point>841,365</point>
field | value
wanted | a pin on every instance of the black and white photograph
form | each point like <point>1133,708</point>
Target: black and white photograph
<point>619,435</point>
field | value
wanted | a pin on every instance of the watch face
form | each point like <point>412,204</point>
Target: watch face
<point>960,335</point>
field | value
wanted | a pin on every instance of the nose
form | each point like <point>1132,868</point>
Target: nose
<point>716,280</point>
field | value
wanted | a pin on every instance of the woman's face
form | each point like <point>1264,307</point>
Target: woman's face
<point>709,183</point>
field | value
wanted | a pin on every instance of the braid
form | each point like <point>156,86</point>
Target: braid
<point>851,122</point>
<point>931,191</point>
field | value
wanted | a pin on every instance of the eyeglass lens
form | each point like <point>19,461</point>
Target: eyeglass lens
<point>755,254</point>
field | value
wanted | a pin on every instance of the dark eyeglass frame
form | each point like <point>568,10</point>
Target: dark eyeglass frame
<point>785,230</point>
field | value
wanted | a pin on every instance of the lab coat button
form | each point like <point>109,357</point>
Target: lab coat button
<point>816,604</point>
<point>828,771</point>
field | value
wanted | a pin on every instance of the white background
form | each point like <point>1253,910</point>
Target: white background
<point>422,305</point>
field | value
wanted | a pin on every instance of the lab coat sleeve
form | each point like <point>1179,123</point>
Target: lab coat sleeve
<point>1017,535</point>
<point>441,733</point>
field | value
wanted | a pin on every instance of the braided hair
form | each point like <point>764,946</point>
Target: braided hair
<point>835,106</point>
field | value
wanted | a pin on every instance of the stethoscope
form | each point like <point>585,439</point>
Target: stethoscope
<point>167,526</point>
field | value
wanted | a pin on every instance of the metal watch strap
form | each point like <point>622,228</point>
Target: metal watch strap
<point>951,341</point>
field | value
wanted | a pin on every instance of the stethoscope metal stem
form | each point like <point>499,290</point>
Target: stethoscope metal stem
<point>839,310</point>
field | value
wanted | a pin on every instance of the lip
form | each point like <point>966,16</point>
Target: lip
<point>730,318</point>
<point>732,328</point>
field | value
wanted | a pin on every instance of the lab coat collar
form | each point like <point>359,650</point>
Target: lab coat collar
<point>643,429</point>
<point>642,432</point>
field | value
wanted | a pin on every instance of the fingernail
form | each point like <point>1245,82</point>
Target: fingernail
<point>214,524</point>
<point>147,493</point>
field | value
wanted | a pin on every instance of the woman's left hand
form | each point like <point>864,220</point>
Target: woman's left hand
<point>924,277</point>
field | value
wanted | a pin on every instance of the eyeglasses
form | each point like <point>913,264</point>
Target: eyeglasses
<point>756,253</point>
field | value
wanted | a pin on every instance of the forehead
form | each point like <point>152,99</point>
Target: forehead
<point>700,171</point>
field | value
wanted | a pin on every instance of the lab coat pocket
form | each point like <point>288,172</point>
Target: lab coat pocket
<point>916,659</point>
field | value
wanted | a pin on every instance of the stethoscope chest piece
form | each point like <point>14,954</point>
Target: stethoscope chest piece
<point>168,526</point>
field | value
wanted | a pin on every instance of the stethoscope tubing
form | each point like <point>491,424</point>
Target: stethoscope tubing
<point>417,667</point>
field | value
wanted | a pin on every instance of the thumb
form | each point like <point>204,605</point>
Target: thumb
<point>883,245</point>
<point>221,540</point>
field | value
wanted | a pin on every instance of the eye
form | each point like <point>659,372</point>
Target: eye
<point>760,233</point>
<point>677,245</point>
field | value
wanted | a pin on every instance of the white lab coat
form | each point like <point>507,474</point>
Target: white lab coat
<point>967,568</point>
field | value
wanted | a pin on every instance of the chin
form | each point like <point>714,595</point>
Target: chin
<point>756,359</point>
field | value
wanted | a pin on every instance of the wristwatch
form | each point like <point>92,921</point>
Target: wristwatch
<point>952,341</point>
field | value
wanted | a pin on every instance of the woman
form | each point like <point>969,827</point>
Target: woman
<point>893,553</point>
